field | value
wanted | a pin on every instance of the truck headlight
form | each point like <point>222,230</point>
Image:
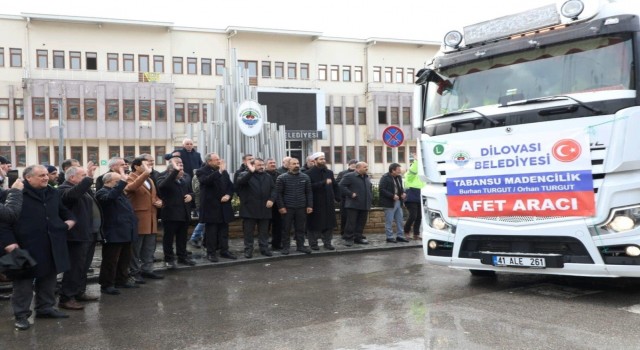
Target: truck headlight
<point>622,219</point>
<point>436,221</point>
<point>572,9</point>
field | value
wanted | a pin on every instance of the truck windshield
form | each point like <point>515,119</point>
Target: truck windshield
<point>602,63</point>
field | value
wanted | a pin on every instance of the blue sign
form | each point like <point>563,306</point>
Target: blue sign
<point>393,136</point>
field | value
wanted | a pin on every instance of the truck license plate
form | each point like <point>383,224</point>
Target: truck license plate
<point>519,261</point>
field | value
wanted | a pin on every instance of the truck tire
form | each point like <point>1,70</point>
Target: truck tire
<point>482,273</point>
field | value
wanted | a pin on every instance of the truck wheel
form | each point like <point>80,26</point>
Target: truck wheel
<point>483,273</point>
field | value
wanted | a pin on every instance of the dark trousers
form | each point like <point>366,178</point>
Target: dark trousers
<point>87,265</point>
<point>296,217</point>
<point>74,281</point>
<point>248,226</point>
<point>414,219</point>
<point>356,219</point>
<point>325,235</point>
<point>216,236</point>
<point>177,230</point>
<point>45,288</point>
<point>343,216</point>
<point>115,264</point>
<point>276,228</point>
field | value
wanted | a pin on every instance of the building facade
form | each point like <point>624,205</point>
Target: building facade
<point>107,87</point>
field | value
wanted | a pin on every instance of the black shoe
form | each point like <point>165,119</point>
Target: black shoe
<point>329,247</point>
<point>315,247</point>
<point>304,249</point>
<point>110,290</point>
<point>284,251</point>
<point>227,254</point>
<point>266,252</point>
<point>361,241</point>
<point>248,253</point>
<point>187,261</point>
<point>53,313</point>
<point>137,279</point>
<point>391,240</point>
<point>212,258</point>
<point>127,285</point>
<point>151,274</point>
<point>171,265</point>
<point>22,324</point>
<point>348,243</point>
<point>195,244</point>
<point>402,239</point>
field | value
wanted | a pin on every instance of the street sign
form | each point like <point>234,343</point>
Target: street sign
<point>393,136</point>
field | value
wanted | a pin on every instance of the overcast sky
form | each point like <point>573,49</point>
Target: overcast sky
<point>398,19</point>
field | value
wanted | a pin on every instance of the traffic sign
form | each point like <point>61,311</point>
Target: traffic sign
<point>393,136</point>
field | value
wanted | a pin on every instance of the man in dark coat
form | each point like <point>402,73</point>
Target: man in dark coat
<point>358,193</point>
<point>295,202</point>
<point>41,229</point>
<point>11,204</point>
<point>343,211</point>
<point>276,218</point>
<point>175,190</point>
<point>216,191</point>
<point>191,159</point>
<point>257,192</point>
<point>78,196</point>
<point>322,221</point>
<point>120,229</point>
<point>243,167</point>
<point>391,198</point>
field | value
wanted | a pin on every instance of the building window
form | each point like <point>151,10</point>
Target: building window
<point>76,153</point>
<point>16,57</point>
<point>395,116</point>
<point>38,107</point>
<point>54,108</point>
<point>304,71</point>
<point>91,60</point>
<point>399,75</point>
<point>219,66</point>
<point>129,152</point>
<point>334,73</point>
<point>21,155</point>
<point>93,154</point>
<point>337,115</point>
<point>90,108</point>
<point>75,60</point>
<point>266,69</point>
<point>377,154</point>
<point>127,62</point>
<point>349,116</point>
<point>357,74</point>
<point>42,58</point>
<point>160,152</point>
<point>143,63</point>
<point>179,112</point>
<point>362,157</point>
<point>410,75</point>
<point>412,151</point>
<point>351,153</point>
<point>406,115</point>
<point>382,115</point>
<point>250,67</point>
<point>18,108</point>
<point>337,154</point>
<point>279,70</point>
<point>205,66</point>
<point>346,73</point>
<point>177,65</point>
<point>4,109</point>
<point>161,110</point>
<point>112,62</point>
<point>145,109</point>
<point>114,151</point>
<point>322,72</point>
<point>43,155</point>
<point>6,152</point>
<point>1,56</point>
<point>112,110</point>
<point>194,111</point>
<point>327,115</point>
<point>377,74</point>
<point>327,153</point>
<point>58,59</point>
<point>56,153</point>
<point>192,65</point>
<point>362,116</point>
<point>158,64</point>
<point>129,111</point>
<point>205,111</point>
<point>388,75</point>
<point>402,155</point>
<point>144,150</point>
<point>389,154</point>
<point>292,69</point>
<point>73,108</point>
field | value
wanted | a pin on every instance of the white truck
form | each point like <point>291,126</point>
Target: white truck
<point>531,143</point>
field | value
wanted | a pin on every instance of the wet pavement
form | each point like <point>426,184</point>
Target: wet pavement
<point>378,299</point>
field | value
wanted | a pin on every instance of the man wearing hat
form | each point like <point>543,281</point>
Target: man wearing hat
<point>322,221</point>
<point>53,176</point>
<point>5,166</point>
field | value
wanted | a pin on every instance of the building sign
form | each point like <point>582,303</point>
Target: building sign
<point>249,117</point>
<point>542,174</point>
<point>303,134</point>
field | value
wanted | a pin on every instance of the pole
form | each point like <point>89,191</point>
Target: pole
<point>60,133</point>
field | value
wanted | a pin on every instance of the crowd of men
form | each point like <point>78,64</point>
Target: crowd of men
<point>50,223</point>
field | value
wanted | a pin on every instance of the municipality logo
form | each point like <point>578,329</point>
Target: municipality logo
<point>461,158</point>
<point>250,117</point>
